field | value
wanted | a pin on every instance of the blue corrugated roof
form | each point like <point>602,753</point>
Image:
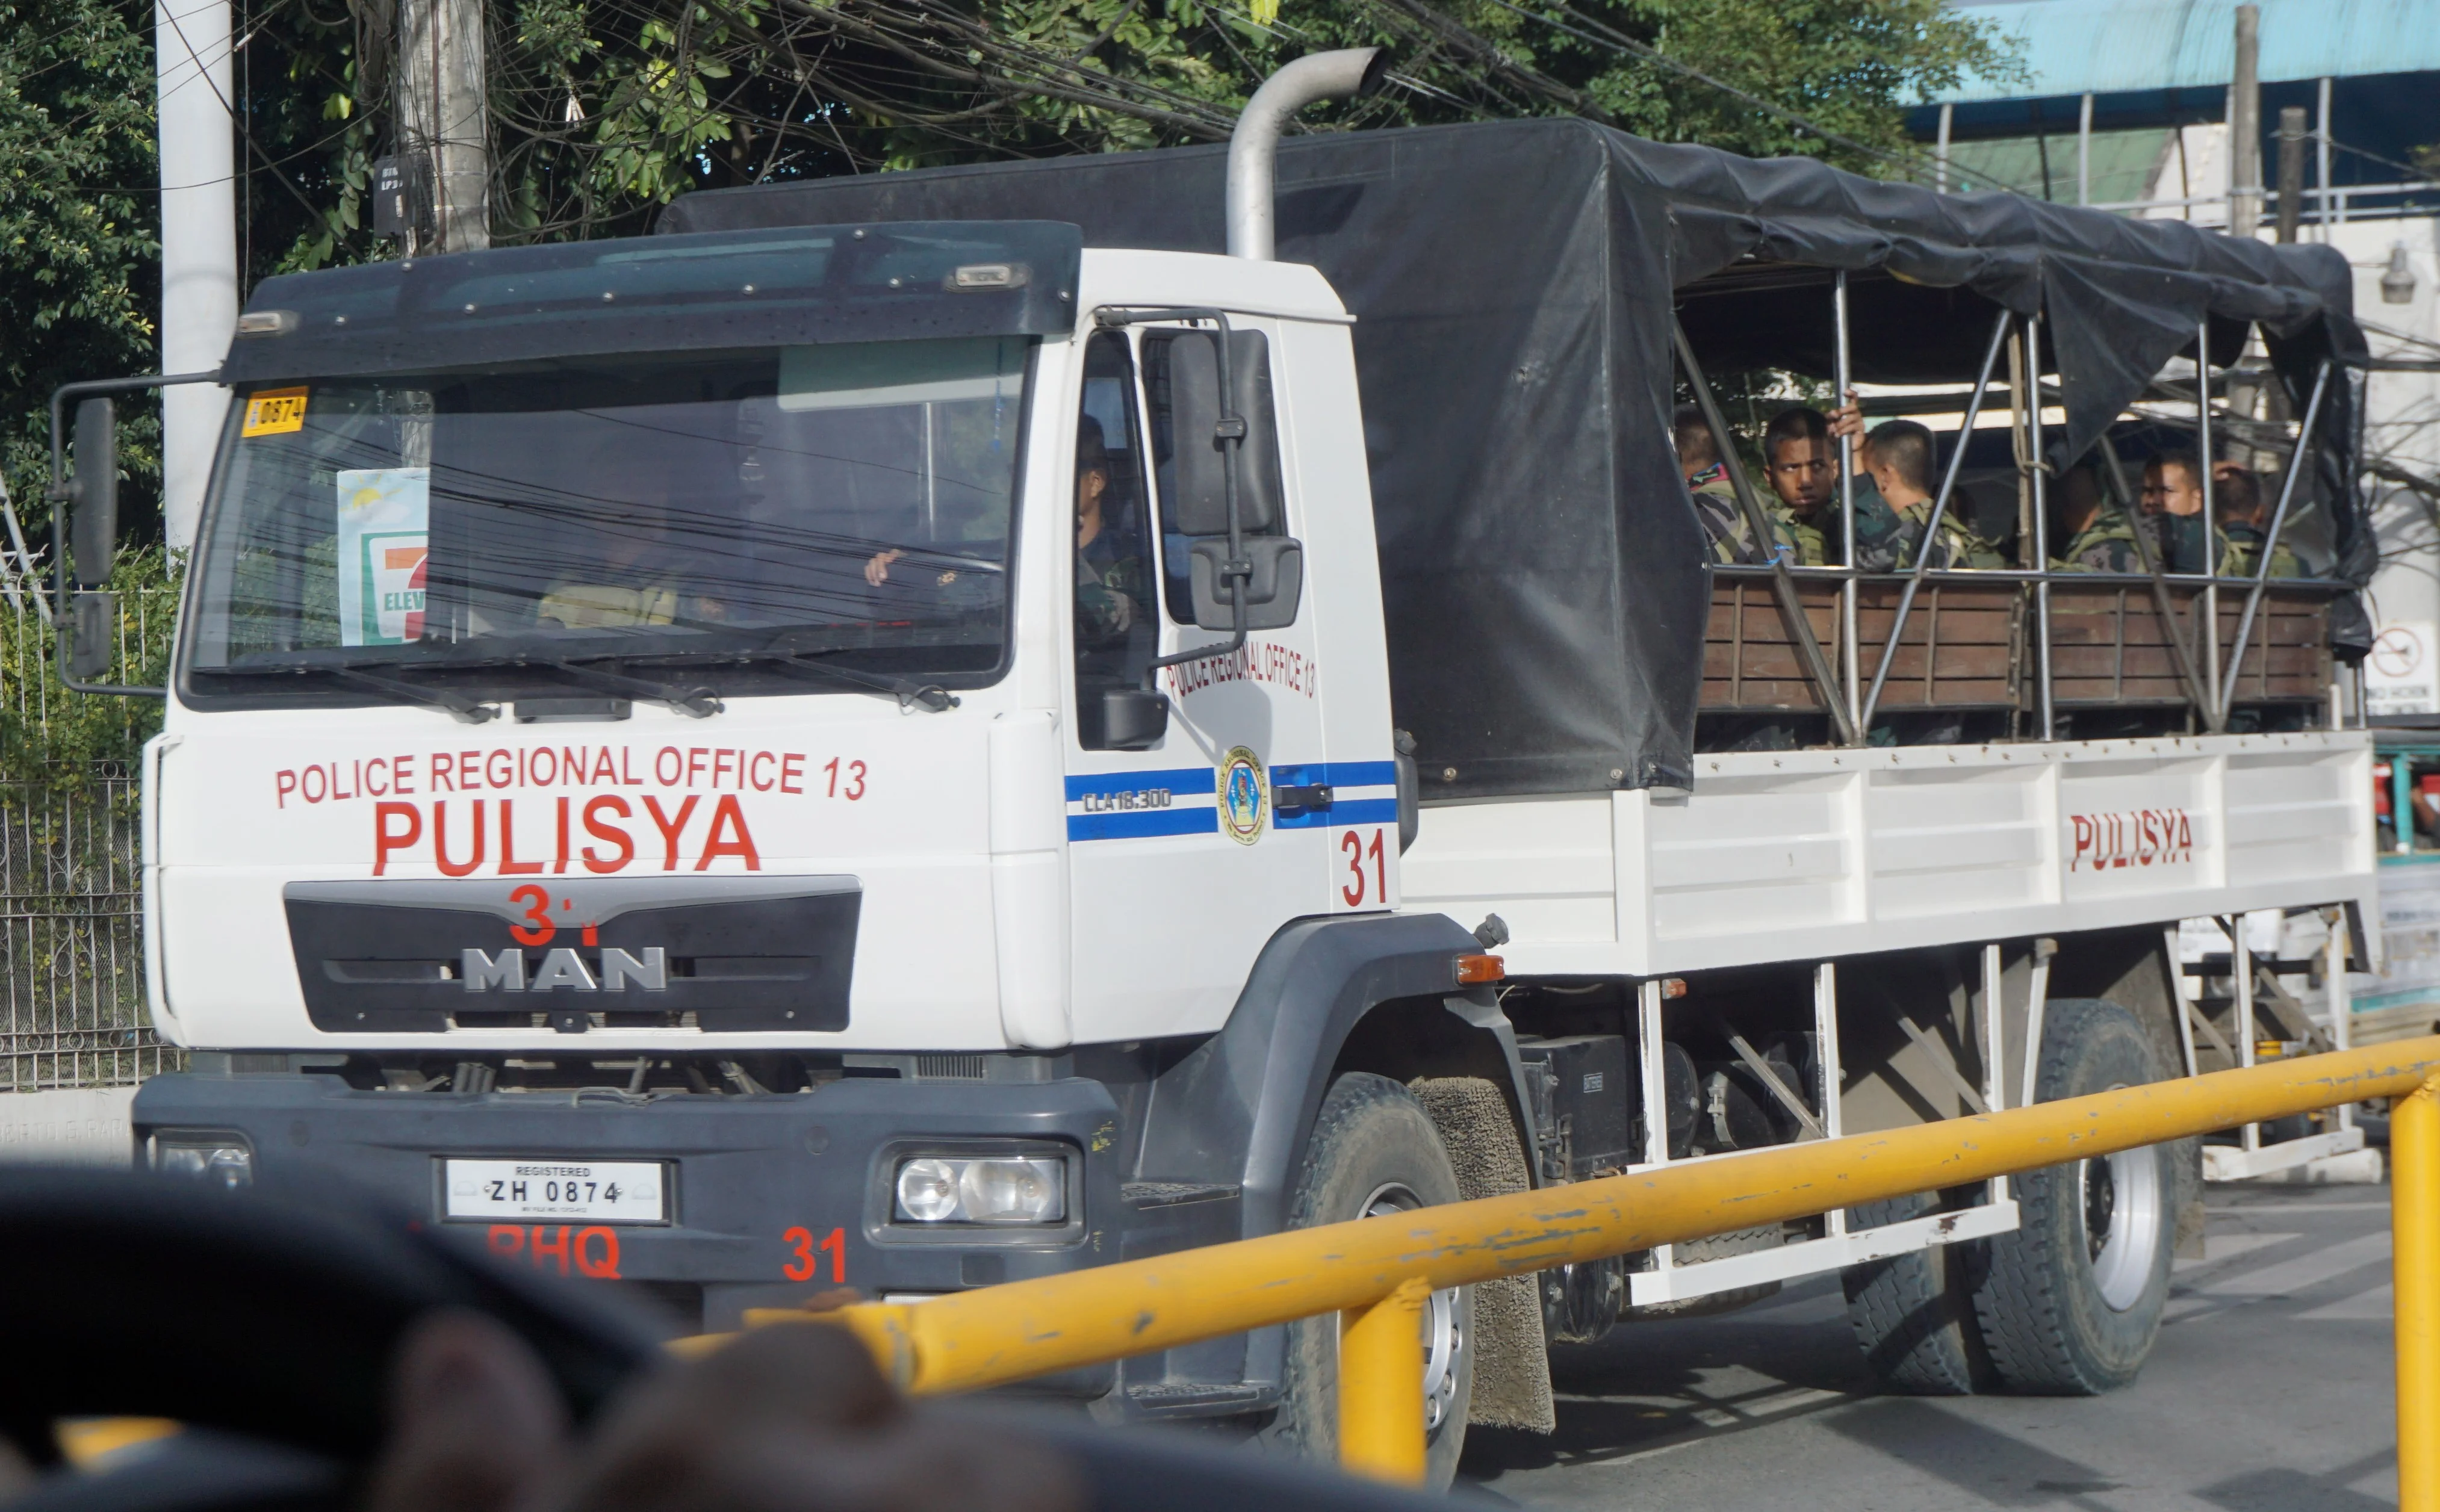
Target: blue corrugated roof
<point>2110,46</point>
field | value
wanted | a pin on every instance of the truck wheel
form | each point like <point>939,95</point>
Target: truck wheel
<point>1913,1314</point>
<point>1375,1153</point>
<point>2074,1298</point>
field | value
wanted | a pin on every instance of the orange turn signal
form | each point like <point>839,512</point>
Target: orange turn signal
<point>1473,971</point>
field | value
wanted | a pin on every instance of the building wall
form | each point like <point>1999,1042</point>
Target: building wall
<point>2402,428</point>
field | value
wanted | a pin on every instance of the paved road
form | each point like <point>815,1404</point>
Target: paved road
<point>2269,1392</point>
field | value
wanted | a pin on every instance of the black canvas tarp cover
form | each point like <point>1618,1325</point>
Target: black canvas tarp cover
<point>1513,284</point>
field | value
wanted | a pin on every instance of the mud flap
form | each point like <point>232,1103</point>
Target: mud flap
<point>1511,1365</point>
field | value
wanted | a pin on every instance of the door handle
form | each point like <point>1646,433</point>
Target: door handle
<point>1314,796</point>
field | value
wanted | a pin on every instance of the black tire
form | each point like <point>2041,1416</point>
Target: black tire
<point>2074,1298</point>
<point>1373,1144</point>
<point>1913,1314</point>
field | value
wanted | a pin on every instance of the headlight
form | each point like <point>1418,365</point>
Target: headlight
<point>983,1189</point>
<point>217,1159</point>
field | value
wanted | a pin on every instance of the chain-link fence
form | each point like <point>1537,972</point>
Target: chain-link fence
<point>72,1001</point>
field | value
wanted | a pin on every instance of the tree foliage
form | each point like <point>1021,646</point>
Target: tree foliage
<point>56,741</point>
<point>604,109</point>
<point>79,227</point>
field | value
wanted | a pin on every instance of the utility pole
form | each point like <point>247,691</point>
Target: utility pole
<point>2245,127</point>
<point>198,245</point>
<point>2292,137</point>
<point>443,125</point>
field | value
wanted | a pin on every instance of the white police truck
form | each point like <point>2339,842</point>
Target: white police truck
<point>920,732</point>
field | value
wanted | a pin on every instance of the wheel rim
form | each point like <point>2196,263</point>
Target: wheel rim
<point>2120,1215</point>
<point>1443,1334</point>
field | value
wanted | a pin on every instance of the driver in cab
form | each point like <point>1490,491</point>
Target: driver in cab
<point>1111,590</point>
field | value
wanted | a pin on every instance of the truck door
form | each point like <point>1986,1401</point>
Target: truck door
<point>1181,860</point>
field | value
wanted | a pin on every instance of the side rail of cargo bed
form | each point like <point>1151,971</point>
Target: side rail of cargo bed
<point>1969,664</point>
<point>1779,856</point>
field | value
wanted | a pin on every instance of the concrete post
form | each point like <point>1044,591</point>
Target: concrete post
<point>443,115</point>
<point>2245,126</point>
<point>199,295</point>
<point>2291,170</point>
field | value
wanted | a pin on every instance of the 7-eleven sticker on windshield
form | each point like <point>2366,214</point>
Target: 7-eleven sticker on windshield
<point>383,544</point>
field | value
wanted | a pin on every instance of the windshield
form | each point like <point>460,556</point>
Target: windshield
<point>846,502</point>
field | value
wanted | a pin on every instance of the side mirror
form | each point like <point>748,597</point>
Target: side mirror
<point>1271,593</point>
<point>1133,719</point>
<point>1198,497</point>
<point>93,526</point>
<point>92,635</point>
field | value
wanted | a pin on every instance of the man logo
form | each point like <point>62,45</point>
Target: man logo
<point>480,972</point>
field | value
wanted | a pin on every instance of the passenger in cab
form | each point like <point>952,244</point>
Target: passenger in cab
<point>1898,454</point>
<point>2097,534</point>
<point>2244,522</point>
<point>1725,532</point>
<point>2173,508</point>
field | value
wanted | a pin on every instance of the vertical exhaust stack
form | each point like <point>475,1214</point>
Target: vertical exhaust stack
<point>1254,146</point>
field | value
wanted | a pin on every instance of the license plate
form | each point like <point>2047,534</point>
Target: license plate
<point>588,1191</point>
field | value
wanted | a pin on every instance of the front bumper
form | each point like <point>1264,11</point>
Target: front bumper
<point>757,1183</point>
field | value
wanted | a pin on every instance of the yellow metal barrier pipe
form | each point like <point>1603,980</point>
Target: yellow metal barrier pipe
<point>994,1335</point>
<point>2415,1220</point>
<point>1381,1387</point>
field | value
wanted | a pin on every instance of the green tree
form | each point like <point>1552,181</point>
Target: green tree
<point>79,230</point>
<point>604,109</point>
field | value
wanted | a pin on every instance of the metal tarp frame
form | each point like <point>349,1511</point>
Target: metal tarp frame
<point>1515,285</point>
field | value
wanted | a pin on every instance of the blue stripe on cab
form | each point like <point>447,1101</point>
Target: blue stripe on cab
<point>1335,774</point>
<point>1146,822</point>
<point>1360,812</point>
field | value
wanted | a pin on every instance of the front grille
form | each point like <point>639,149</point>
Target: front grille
<point>616,1019</point>
<point>956,1068</point>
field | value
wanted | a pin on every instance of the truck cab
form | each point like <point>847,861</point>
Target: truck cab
<point>772,665</point>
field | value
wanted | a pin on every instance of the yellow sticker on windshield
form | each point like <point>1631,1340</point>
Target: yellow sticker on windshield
<point>275,412</point>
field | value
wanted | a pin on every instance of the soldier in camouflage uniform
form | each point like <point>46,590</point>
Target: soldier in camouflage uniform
<point>2172,509</point>
<point>2097,534</point>
<point>1725,533</point>
<point>1889,538</point>
<point>2245,521</point>
<point>1803,469</point>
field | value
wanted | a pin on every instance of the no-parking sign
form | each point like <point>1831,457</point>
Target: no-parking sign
<point>2399,674</point>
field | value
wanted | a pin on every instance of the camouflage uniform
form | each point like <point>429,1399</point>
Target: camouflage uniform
<point>1725,530</point>
<point>2107,545</point>
<point>1872,521</point>
<point>1887,540</point>
<point>1110,591</point>
<point>2240,555</point>
<point>2182,543</point>
<point>1806,543</point>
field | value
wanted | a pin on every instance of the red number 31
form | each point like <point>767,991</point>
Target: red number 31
<point>1351,844</point>
<point>806,1266</point>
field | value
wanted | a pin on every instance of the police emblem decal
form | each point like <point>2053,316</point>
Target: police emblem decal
<point>1245,796</point>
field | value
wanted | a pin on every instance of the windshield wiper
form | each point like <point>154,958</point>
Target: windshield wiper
<point>464,709</point>
<point>697,702</point>
<point>909,692</point>
<point>694,702</point>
